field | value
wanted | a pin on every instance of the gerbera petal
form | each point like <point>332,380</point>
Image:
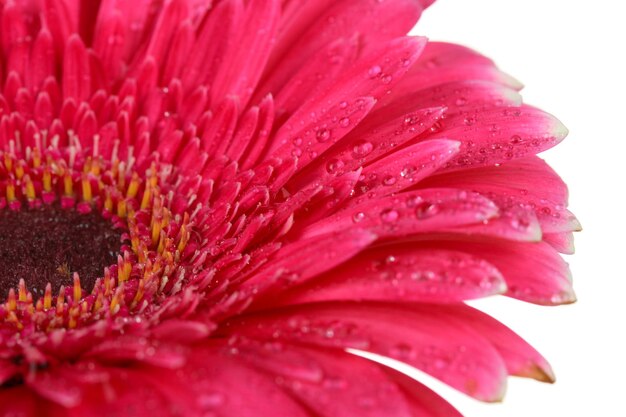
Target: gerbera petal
<point>248,51</point>
<point>309,26</point>
<point>541,277</point>
<point>404,168</point>
<point>401,272</point>
<point>521,359</point>
<point>495,136</point>
<point>333,385</point>
<point>422,400</point>
<point>225,386</point>
<point>442,63</point>
<point>410,213</point>
<point>379,134</point>
<point>306,258</point>
<point>527,183</point>
<point>19,401</point>
<point>563,242</point>
<point>423,339</point>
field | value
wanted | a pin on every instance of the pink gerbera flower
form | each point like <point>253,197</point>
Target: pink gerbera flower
<point>204,204</point>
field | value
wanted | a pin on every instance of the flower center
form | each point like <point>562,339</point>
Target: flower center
<point>85,238</point>
<point>51,244</point>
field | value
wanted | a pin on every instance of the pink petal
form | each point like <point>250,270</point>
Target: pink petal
<point>308,27</point>
<point>423,401</point>
<point>527,183</point>
<point>404,273</point>
<point>405,168</point>
<point>306,137</point>
<point>496,136</point>
<point>423,339</point>
<point>562,242</point>
<point>248,51</point>
<point>442,63</point>
<point>19,401</point>
<point>410,213</point>
<point>306,258</point>
<point>379,134</point>
<point>540,276</point>
<point>329,382</point>
<point>521,359</point>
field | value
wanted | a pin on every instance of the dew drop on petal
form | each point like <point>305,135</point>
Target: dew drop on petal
<point>426,209</point>
<point>389,215</point>
<point>322,135</point>
<point>375,71</point>
<point>389,180</point>
<point>361,149</point>
<point>358,217</point>
<point>334,166</point>
<point>344,122</point>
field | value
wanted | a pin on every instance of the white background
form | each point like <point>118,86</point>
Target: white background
<point>570,55</point>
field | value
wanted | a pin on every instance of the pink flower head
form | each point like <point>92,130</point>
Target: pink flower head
<point>204,204</point>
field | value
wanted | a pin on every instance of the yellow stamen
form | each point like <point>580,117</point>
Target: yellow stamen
<point>139,294</point>
<point>19,170</point>
<point>184,234</point>
<point>8,162</point>
<point>87,196</point>
<point>11,301</point>
<point>10,191</point>
<point>145,201</point>
<point>73,317</point>
<point>21,290</point>
<point>68,184</point>
<point>47,298</point>
<point>108,281</point>
<point>47,180</point>
<point>121,208</point>
<point>156,232</point>
<point>78,292</point>
<point>31,194</point>
<point>60,305</point>
<point>99,302</point>
<point>133,187</point>
<point>36,157</point>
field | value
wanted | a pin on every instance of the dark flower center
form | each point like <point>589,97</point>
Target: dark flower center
<point>50,244</point>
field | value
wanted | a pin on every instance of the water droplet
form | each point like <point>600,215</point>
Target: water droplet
<point>469,121</point>
<point>402,351</point>
<point>357,217</point>
<point>334,166</point>
<point>344,122</point>
<point>322,135</point>
<point>343,105</point>
<point>389,180</point>
<point>362,149</point>
<point>386,79</point>
<point>408,170</point>
<point>426,209</point>
<point>297,141</point>
<point>297,152</point>
<point>436,127</point>
<point>461,101</point>
<point>374,71</point>
<point>389,215</point>
<point>515,139</point>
